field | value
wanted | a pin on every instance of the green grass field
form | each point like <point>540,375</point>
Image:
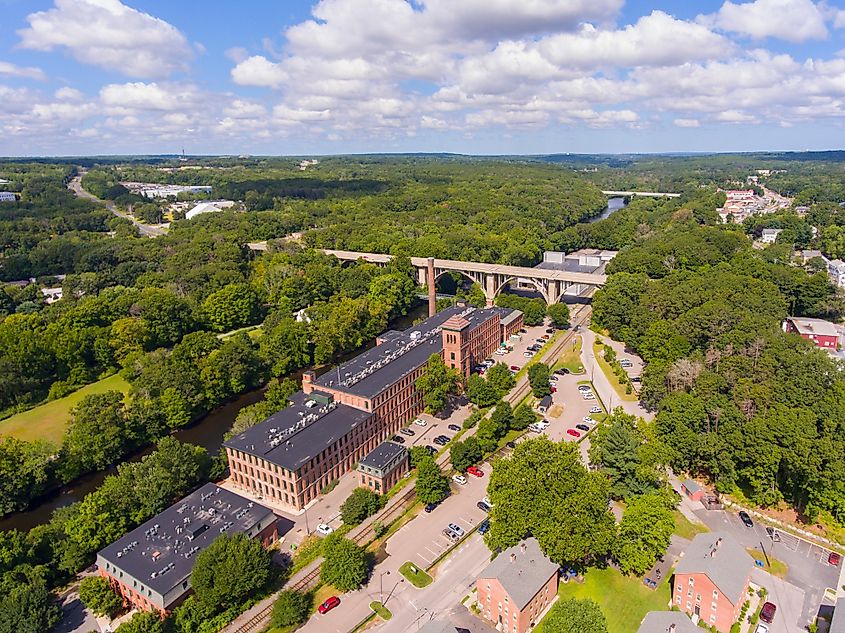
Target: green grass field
<point>571,358</point>
<point>611,377</point>
<point>624,600</point>
<point>49,421</point>
<point>686,528</point>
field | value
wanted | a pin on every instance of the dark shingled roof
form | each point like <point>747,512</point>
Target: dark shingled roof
<point>179,534</point>
<point>728,567</point>
<point>524,576</point>
<point>660,621</point>
<point>383,454</point>
<point>328,423</point>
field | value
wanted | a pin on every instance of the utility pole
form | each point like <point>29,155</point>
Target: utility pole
<point>381,585</point>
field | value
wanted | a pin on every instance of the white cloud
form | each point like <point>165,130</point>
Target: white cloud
<point>839,20</point>
<point>67,93</point>
<point>687,122</point>
<point>259,71</point>
<point>150,96</point>
<point>111,35</point>
<point>26,72</point>
<point>790,20</point>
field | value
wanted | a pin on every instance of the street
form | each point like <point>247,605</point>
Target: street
<point>147,230</point>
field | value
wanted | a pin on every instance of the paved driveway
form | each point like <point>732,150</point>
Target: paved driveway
<point>789,600</point>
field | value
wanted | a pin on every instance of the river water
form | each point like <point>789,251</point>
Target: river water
<point>613,204</point>
<point>207,432</point>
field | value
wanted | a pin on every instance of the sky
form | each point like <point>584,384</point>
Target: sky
<point>302,77</point>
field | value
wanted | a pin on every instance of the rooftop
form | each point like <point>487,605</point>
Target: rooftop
<point>837,622</point>
<point>722,559</point>
<point>691,486</point>
<point>289,438</point>
<point>522,571</point>
<point>818,327</point>
<point>667,622</point>
<point>383,455</point>
<point>160,553</point>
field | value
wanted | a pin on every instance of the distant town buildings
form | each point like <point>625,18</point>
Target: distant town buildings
<point>516,589</point>
<point>150,567</point>
<point>305,164</point>
<point>214,206</point>
<point>739,204</point>
<point>823,333</point>
<point>343,415</point>
<point>8,196</point>
<point>384,466</point>
<point>770,236</point>
<point>154,190</point>
<point>712,579</point>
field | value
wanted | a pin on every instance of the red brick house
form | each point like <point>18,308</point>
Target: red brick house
<point>711,581</point>
<point>516,589</point>
<point>385,465</point>
<point>692,490</point>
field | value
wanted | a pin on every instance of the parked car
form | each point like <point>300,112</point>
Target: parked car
<point>454,427</point>
<point>459,479</point>
<point>457,529</point>
<point>589,396</point>
<point>761,628</point>
<point>584,388</point>
<point>514,368</point>
<point>510,444</point>
<point>541,340</point>
<point>429,507</point>
<point>487,501</point>
<point>441,440</point>
<point>325,529</point>
<point>475,470</point>
<point>398,439</point>
<point>583,427</point>
<point>407,432</point>
<point>484,526</point>
<point>534,427</point>
<point>636,379</point>
<point>328,605</point>
<point>743,516</point>
<point>589,420</point>
<point>767,613</point>
<point>595,409</point>
<point>550,330</point>
<point>528,354</point>
<point>773,534</point>
<point>483,506</point>
<point>431,450</point>
<point>573,433</point>
<point>553,379</point>
<point>420,422</point>
<point>544,337</point>
<point>834,559</point>
<point>449,534</point>
<point>626,363</point>
<point>501,351</point>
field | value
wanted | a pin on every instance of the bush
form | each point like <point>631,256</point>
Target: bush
<point>379,528</point>
<point>345,564</point>
<point>291,608</point>
<point>360,504</point>
<point>96,594</point>
<point>432,486</point>
<point>473,419</point>
<point>229,570</point>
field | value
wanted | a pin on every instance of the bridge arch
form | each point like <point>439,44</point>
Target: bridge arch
<point>507,280</point>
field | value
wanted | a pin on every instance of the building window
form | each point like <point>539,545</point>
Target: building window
<point>689,605</point>
<point>678,600</point>
<point>713,606</point>
<point>715,595</point>
<point>713,618</point>
<point>690,581</point>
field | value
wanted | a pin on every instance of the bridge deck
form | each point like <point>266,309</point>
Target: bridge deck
<point>495,269</point>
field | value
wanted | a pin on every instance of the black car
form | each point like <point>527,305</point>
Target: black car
<point>511,444</point>
<point>441,440</point>
<point>484,526</point>
<point>398,439</point>
<point>636,379</point>
<point>583,427</point>
<point>773,534</point>
<point>483,506</point>
<point>431,450</point>
<point>550,330</point>
<point>429,507</point>
<point>562,371</point>
<point>407,432</point>
<point>454,427</point>
<point>743,516</point>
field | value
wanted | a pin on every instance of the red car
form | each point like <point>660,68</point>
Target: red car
<point>767,613</point>
<point>475,470</point>
<point>834,559</point>
<point>553,389</point>
<point>329,604</point>
<point>514,368</point>
<point>573,433</point>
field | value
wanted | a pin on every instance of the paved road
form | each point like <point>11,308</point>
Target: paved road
<point>148,230</point>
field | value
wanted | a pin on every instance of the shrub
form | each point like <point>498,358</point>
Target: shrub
<point>291,608</point>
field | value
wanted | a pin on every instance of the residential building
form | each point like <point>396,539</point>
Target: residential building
<point>711,581</point>
<point>342,415</point>
<point>209,207</point>
<point>516,589</point>
<point>150,567</point>
<point>692,490</point>
<point>51,295</point>
<point>7,196</point>
<point>770,236</point>
<point>836,272</point>
<point>823,333</point>
<point>384,466</point>
<point>667,622</point>
<point>807,254</point>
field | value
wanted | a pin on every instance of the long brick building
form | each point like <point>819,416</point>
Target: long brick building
<point>344,414</point>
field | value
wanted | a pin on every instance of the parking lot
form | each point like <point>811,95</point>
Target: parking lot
<point>516,356</point>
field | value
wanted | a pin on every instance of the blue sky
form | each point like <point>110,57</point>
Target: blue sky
<point>469,76</point>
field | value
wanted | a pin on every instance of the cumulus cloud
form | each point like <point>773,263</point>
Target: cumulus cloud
<point>111,35</point>
<point>790,20</point>
<point>27,72</point>
<point>687,122</point>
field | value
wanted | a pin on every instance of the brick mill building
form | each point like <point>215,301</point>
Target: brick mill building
<point>384,466</point>
<point>341,416</point>
<point>515,590</point>
<point>150,567</point>
<point>711,581</point>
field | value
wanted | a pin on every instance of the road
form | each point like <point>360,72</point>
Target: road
<point>147,230</point>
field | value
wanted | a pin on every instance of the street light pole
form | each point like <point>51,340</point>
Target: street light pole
<point>381,585</point>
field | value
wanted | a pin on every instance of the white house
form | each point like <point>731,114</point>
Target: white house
<point>836,272</point>
<point>770,236</point>
<point>209,207</point>
<point>7,196</point>
<point>51,295</point>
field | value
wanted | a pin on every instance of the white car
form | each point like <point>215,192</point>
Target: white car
<point>457,529</point>
<point>589,420</point>
<point>761,628</point>
<point>501,352</point>
<point>595,409</point>
<point>589,396</point>
<point>584,388</point>
<point>553,380</point>
<point>325,529</point>
<point>626,363</point>
<point>487,501</point>
<point>420,422</point>
<point>459,479</point>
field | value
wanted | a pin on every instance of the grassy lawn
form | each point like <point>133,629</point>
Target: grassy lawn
<point>611,377</point>
<point>774,566</point>
<point>624,600</point>
<point>49,420</point>
<point>415,575</point>
<point>686,528</point>
<point>382,611</point>
<point>571,358</point>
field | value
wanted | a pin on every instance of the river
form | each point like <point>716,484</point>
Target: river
<point>613,204</point>
<point>207,432</point>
